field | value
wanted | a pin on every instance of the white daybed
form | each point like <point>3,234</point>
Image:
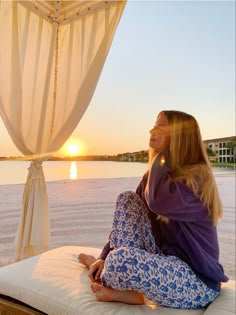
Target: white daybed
<point>55,283</point>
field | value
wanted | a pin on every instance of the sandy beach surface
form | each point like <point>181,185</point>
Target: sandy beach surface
<point>81,213</point>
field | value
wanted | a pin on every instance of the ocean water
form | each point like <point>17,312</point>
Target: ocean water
<point>12,172</point>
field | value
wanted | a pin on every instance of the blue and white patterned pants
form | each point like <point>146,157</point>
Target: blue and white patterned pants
<point>136,264</point>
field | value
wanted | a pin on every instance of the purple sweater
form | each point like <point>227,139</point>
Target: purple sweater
<point>189,234</point>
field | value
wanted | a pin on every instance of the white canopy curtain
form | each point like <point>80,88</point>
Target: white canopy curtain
<point>51,57</point>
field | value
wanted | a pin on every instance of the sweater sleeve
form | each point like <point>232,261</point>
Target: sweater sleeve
<point>171,199</point>
<point>141,186</point>
<point>106,250</point>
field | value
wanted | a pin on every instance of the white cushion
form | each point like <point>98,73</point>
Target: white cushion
<point>55,283</point>
<point>225,303</point>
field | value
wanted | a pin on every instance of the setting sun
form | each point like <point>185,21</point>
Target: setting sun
<point>73,147</point>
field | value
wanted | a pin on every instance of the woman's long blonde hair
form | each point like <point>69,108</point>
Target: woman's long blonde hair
<point>189,161</point>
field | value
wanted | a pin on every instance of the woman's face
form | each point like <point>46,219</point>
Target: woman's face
<point>160,134</point>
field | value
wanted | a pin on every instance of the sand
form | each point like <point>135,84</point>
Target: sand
<point>81,214</point>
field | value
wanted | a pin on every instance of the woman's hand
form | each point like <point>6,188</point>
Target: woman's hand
<point>95,270</point>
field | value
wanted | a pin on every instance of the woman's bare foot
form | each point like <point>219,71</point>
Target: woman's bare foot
<point>111,295</point>
<point>86,260</point>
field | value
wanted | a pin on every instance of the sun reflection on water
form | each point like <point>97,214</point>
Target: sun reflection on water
<point>73,170</point>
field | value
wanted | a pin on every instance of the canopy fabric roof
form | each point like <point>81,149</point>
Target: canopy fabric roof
<point>51,56</point>
<point>66,11</point>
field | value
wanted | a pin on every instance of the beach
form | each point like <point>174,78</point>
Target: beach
<point>81,213</point>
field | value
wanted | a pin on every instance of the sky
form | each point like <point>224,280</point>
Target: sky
<point>165,55</point>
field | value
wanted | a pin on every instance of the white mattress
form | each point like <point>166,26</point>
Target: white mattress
<point>55,283</point>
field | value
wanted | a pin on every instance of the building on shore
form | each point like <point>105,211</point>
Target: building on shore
<point>140,156</point>
<point>222,150</point>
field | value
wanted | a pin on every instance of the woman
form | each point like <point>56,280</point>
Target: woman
<point>163,245</point>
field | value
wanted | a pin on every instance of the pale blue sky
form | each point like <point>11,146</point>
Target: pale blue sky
<point>165,55</point>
